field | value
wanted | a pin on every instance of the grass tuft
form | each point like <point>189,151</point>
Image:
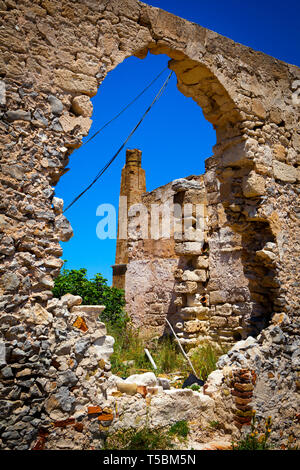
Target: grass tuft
<point>129,356</point>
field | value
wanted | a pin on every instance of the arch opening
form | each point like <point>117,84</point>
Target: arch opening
<point>244,306</point>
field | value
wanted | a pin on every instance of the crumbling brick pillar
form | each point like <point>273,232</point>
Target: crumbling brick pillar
<point>133,185</point>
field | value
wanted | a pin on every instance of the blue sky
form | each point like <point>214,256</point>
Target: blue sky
<point>175,138</point>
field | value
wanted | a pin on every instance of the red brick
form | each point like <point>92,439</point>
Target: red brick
<point>106,417</point>
<point>92,410</point>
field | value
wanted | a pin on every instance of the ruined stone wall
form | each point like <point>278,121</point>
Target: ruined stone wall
<point>152,261</point>
<point>53,57</point>
<point>210,279</point>
<point>195,277</point>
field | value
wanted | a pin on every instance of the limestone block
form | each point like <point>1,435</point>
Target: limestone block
<point>201,262</point>
<point>4,222</point>
<point>253,185</point>
<point>189,248</point>
<point>191,234</point>
<point>77,83</point>
<point>58,205</point>
<point>279,152</point>
<point>213,383</point>
<point>130,8</point>
<point>87,310</point>
<point>224,310</point>
<point>178,273</point>
<point>148,379</point>
<point>285,173</point>
<point>183,184</point>
<point>38,315</point>
<point>193,326</point>
<point>188,287</point>
<point>236,155</point>
<point>233,322</point>
<point>103,347</point>
<point>176,405</point>
<point>199,275</point>
<point>157,308</point>
<point>70,300</point>
<point>258,109</point>
<point>128,388</point>
<point>218,322</point>
<point>202,275</point>
<point>196,300</point>
<point>199,312</point>
<point>217,297</point>
<point>195,75</point>
<point>82,105</point>
<point>244,344</point>
<point>266,255</point>
<point>178,301</point>
<point>63,228</point>
<point>296,140</point>
<point>68,123</point>
<point>10,282</point>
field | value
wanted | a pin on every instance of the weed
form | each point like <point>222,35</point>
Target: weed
<point>255,440</point>
<point>204,359</point>
<point>180,429</point>
<point>129,355</point>
<point>215,424</point>
<point>143,439</point>
<point>195,387</point>
<point>147,439</point>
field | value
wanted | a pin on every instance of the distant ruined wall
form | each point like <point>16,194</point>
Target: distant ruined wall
<point>194,277</point>
<point>53,57</point>
<point>152,261</point>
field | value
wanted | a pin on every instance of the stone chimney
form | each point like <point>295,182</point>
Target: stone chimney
<point>133,185</point>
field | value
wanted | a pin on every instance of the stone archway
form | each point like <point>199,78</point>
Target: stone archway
<point>53,56</point>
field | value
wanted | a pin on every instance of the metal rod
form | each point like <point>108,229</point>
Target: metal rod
<point>150,358</point>
<point>182,350</point>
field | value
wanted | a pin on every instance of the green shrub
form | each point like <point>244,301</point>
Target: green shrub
<point>195,387</point>
<point>93,291</point>
<point>180,429</point>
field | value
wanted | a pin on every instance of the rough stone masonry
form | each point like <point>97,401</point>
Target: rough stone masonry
<point>54,56</point>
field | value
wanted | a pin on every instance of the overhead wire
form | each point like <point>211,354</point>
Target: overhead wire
<point>126,107</point>
<point>158,95</point>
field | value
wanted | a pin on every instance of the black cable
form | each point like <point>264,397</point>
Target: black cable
<point>123,145</point>
<point>125,108</point>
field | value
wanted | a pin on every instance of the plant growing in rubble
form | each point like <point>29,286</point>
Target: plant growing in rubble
<point>255,439</point>
<point>146,438</point>
<point>180,429</point>
<point>141,439</point>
